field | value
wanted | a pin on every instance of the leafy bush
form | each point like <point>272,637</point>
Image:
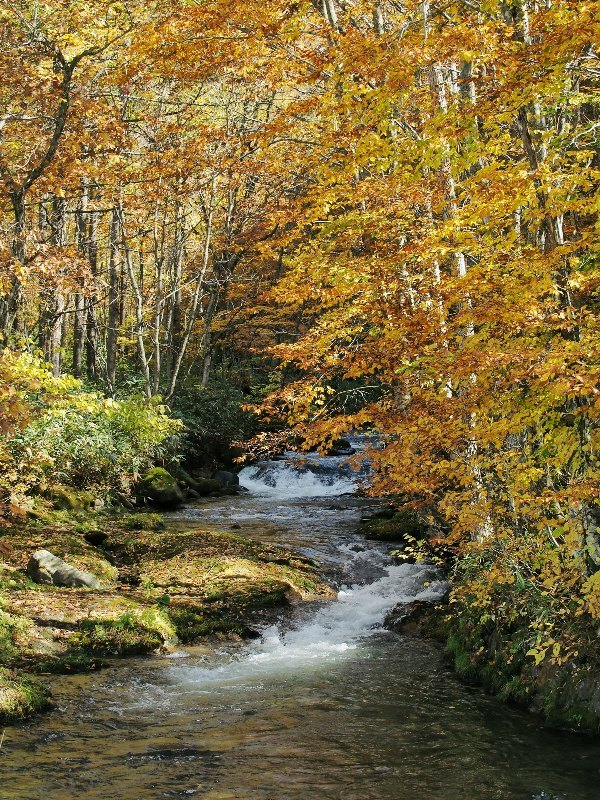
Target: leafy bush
<point>64,434</point>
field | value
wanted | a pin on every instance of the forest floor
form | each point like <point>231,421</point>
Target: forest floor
<point>159,587</point>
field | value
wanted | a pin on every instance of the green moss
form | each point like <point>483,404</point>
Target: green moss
<point>12,580</point>
<point>160,487</point>
<point>67,663</point>
<point>20,697</point>
<point>143,522</point>
<point>196,583</point>
<point>488,644</point>
<point>123,636</point>
<point>516,690</point>
<point>12,628</point>
<point>192,622</point>
<point>405,524</point>
<point>66,498</point>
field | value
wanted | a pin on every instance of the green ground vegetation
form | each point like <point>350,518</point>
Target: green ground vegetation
<point>159,587</point>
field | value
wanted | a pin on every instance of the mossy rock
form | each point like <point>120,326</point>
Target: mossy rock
<point>124,636</point>
<point>401,525</point>
<point>20,697</point>
<point>66,498</point>
<point>69,663</point>
<point>160,488</point>
<point>192,623</point>
<point>198,484</point>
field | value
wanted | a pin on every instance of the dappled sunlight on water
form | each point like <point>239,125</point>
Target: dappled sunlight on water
<point>325,705</point>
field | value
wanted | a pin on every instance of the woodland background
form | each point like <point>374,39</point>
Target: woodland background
<point>352,215</point>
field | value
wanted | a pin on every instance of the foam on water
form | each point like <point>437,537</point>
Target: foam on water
<point>286,481</point>
<point>334,632</point>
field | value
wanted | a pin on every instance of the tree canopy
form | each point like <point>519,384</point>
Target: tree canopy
<point>388,210</point>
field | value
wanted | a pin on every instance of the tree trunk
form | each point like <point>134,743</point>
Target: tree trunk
<point>174,329</point>
<point>59,239</point>
<point>113,304</point>
<point>79,316</point>
<point>11,304</point>
<point>139,307</point>
<point>378,21</point>
<point>91,338</point>
<point>193,313</point>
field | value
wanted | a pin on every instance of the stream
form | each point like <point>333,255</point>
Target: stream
<point>326,705</point>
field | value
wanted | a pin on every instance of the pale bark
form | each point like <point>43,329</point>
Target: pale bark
<point>174,324</point>
<point>193,312</point>
<point>378,20</point>
<point>112,331</point>
<point>158,246</point>
<point>79,316</point>
<point>59,239</point>
<point>91,325</point>
<point>139,306</point>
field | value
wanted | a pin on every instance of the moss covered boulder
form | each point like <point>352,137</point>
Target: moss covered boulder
<point>66,498</point>
<point>123,636</point>
<point>395,525</point>
<point>198,485</point>
<point>160,488</point>
<point>20,696</point>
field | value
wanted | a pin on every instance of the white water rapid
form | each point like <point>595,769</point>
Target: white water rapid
<point>284,481</point>
<point>336,631</point>
<point>339,628</point>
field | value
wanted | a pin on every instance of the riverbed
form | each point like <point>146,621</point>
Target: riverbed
<point>326,704</point>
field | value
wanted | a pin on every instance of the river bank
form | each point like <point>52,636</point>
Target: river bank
<point>158,587</point>
<point>185,583</point>
<point>506,627</point>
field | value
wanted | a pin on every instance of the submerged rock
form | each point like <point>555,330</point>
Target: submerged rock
<point>46,568</point>
<point>207,486</point>
<point>160,488</point>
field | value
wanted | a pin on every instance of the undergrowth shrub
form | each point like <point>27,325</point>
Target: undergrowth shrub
<point>214,418</point>
<point>57,432</point>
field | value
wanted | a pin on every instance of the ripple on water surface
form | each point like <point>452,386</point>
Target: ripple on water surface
<point>331,707</point>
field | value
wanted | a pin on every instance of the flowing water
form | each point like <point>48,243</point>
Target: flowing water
<point>325,705</point>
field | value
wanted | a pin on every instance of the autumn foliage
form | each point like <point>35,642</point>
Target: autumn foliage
<point>394,204</point>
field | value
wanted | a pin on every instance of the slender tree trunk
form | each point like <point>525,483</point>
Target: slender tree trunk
<point>193,313</point>
<point>91,338</point>
<point>158,242</point>
<point>59,239</point>
<point>113,304</point>
<point>139,307</point>
<point>79,316</point>
<point>175,315</point>
<point>330,13</point>
<point>378,20</point>
<point>11,304</point>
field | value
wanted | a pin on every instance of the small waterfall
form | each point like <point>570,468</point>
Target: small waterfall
<point>334,632</point>
<point>338,628</point>
<point>298,475</point>
<point>294,479</point>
